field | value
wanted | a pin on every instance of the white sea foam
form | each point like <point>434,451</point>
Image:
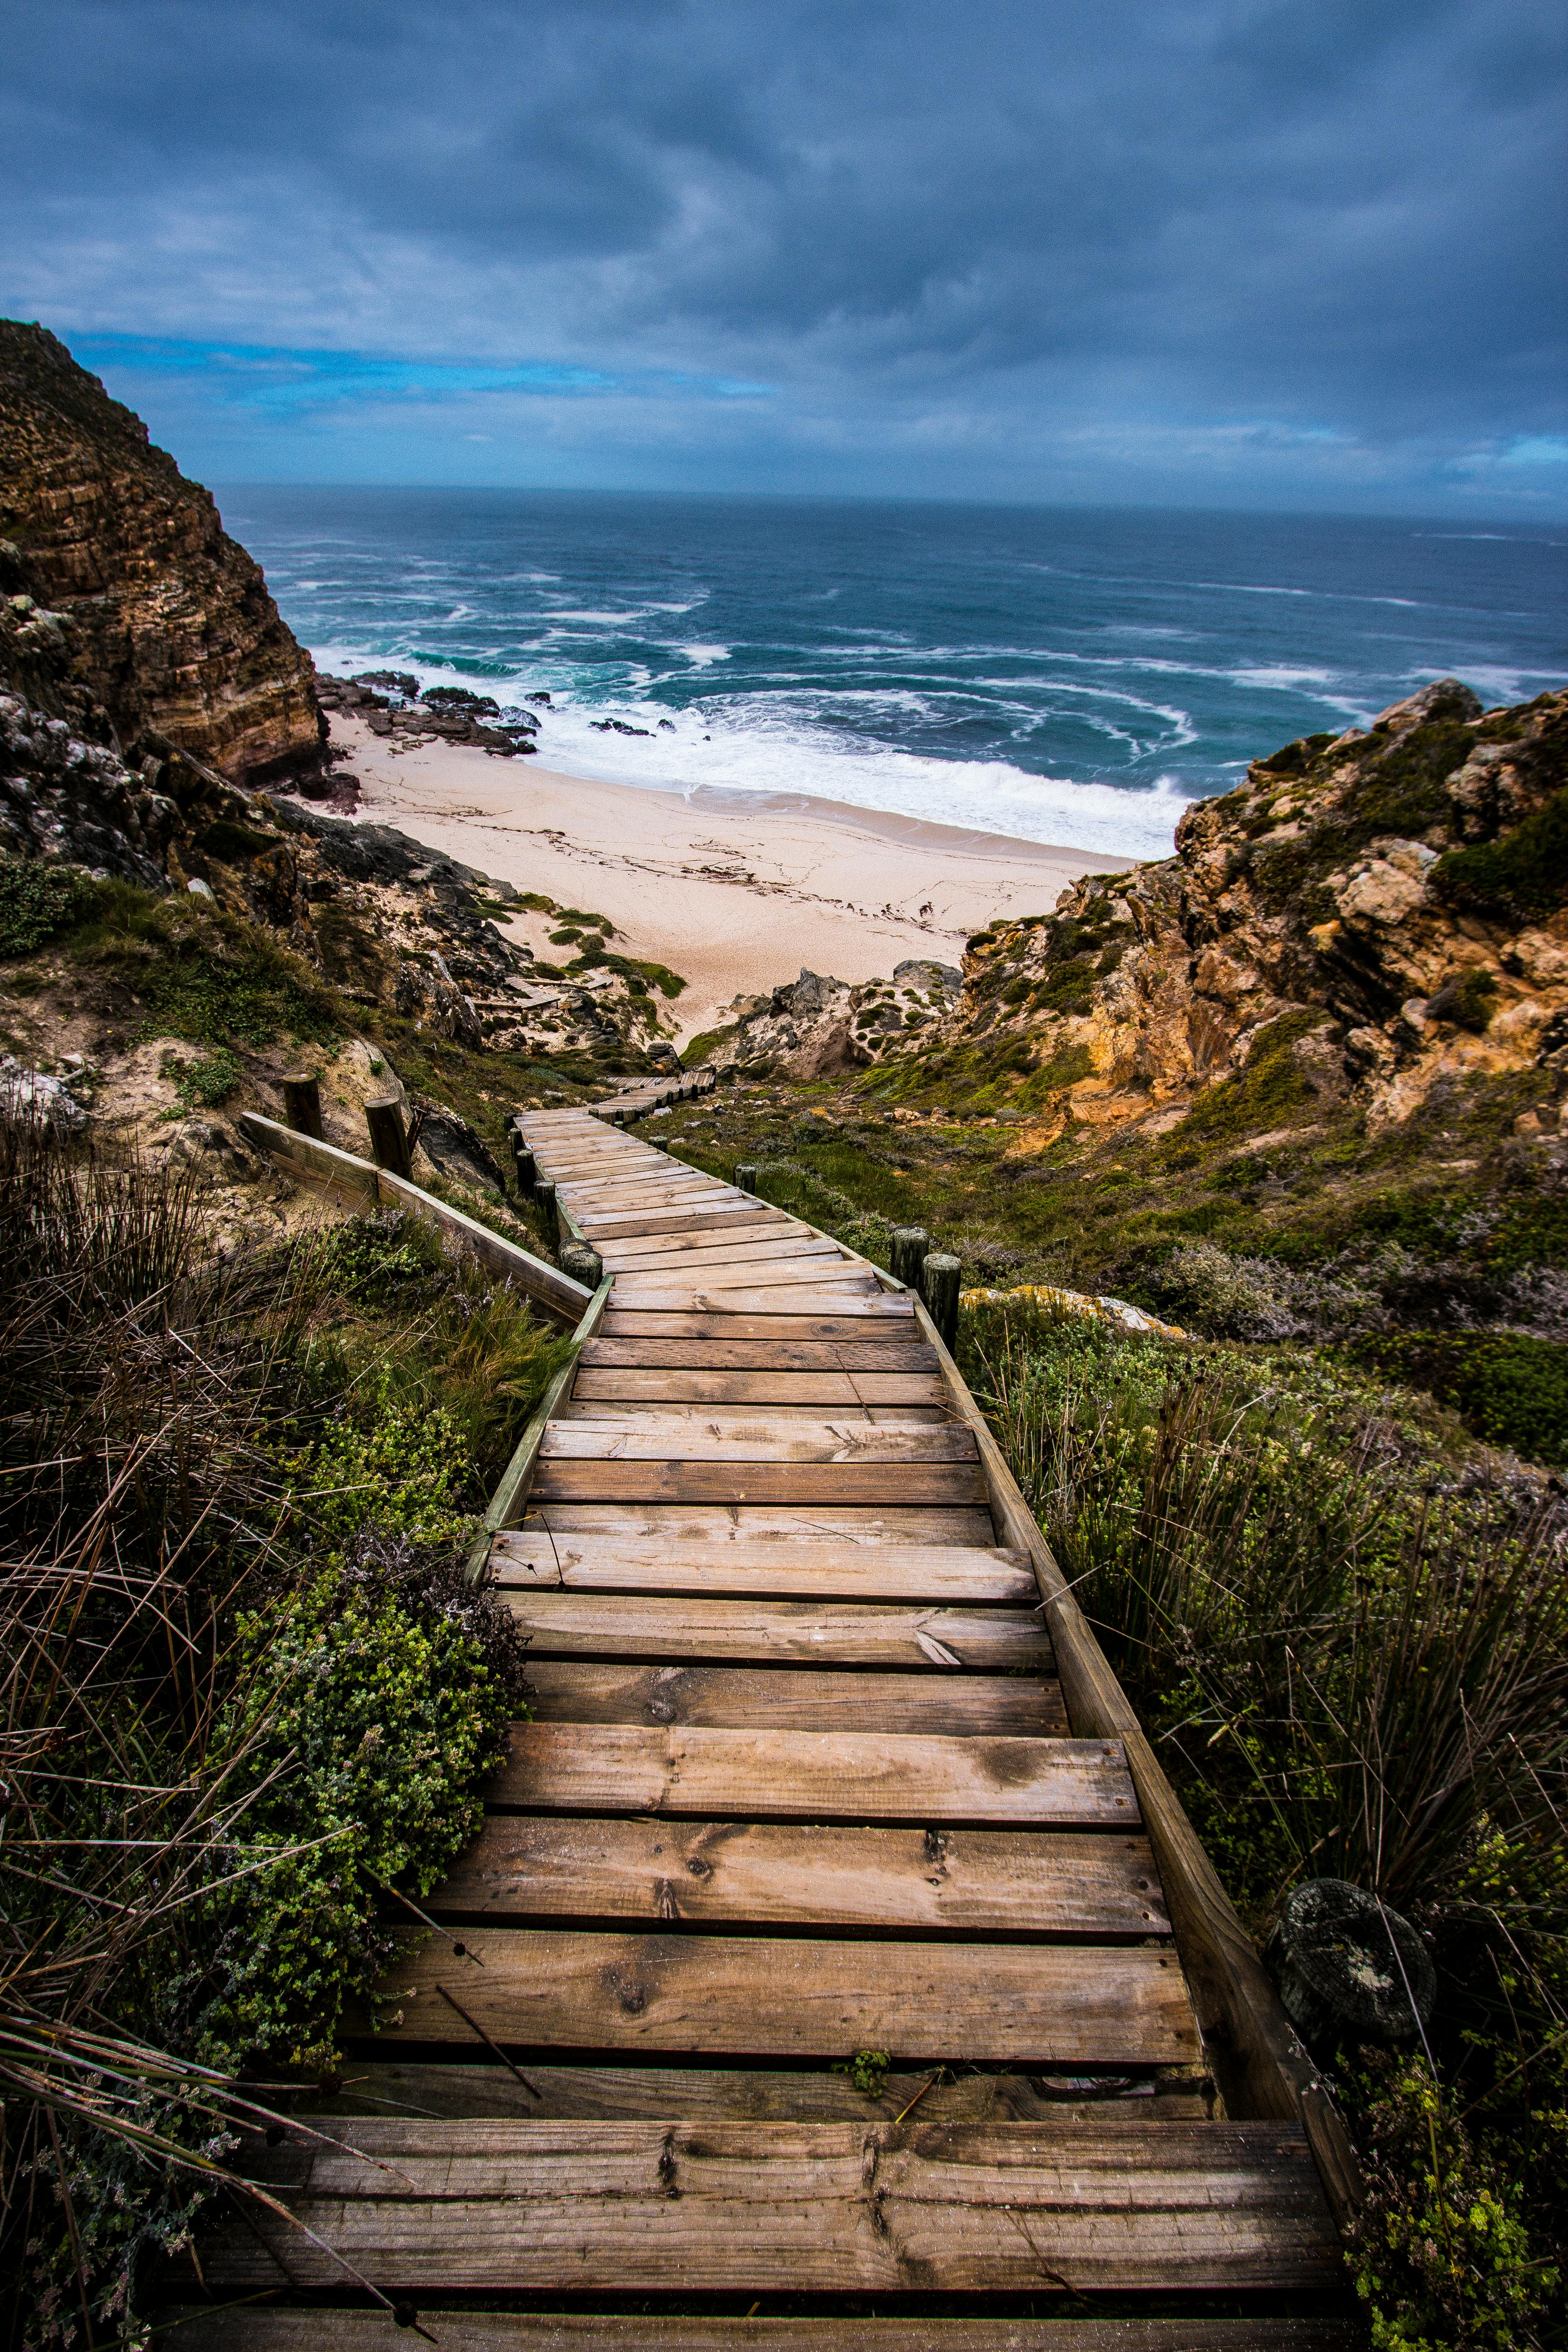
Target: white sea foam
<point>777,757</point>
<point>768,746</point>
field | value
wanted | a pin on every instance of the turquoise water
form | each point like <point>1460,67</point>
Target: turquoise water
<point>1069,675</point>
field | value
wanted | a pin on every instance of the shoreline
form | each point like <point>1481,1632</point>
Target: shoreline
<point>736,891</point>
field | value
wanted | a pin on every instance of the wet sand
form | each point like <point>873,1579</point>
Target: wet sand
<point>736,891</point>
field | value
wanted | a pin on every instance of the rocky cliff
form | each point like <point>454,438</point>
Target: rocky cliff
<point>172,629</point>
<point>1400,894</point>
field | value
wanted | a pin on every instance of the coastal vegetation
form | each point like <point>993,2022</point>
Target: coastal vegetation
<point>250,1694</point>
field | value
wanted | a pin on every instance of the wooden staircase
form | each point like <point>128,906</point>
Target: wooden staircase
<point>801,1784</point>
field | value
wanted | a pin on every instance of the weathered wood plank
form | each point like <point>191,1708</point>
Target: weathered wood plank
<point>802,1485</point>
<point>533,1560</point>
<point>604,1223</point>
<point>785,1997</point>
<point>680,1247</point>
<point>717,1523</point>
<point>674,1405</point>
<point>836,1298</point>
<point>779,1874</point>
<point>870,1352</point>
<point>493,2331</point>
<point>783,1249</point>
<point>472,2083</point>
<point>775,1775</point>
<point>798,2208</point>
<point>629,1384</point>
<point>572,1690</point>
<point>754,1437</point>
<point>587,1624</point>
<point>862,1326</point>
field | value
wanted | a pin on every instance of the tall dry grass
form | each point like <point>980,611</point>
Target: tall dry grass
<point>156,1401</point>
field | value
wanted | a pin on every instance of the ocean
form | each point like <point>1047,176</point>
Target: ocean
<point>1069,675</point>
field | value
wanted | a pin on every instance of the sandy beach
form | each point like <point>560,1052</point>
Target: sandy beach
<point>737,892</point>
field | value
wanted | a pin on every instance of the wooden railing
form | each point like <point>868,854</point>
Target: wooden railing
<point>359,1184</point>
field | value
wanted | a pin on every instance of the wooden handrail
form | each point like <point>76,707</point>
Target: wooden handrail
<point>518,1476</point>
<point>359,1182</point>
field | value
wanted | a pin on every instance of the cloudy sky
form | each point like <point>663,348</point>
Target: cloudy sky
<point>1270,253</point>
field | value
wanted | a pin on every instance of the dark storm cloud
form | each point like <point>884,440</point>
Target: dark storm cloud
<point>1336,220</point>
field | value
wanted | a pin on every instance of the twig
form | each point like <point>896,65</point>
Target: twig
<point>493,2046</point>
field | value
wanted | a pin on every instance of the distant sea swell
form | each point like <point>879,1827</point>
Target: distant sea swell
<point>1065,675</point>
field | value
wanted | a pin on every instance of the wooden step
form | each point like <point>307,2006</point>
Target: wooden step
<point>778,1775</point>
<point>803,1485</point>
<point>476,2083</point>
<point>814,1298</point>
<point>865,1319</point>
<point>789,1698</point>
<point>754,1437</point>
<point>598,1625</point>
<point>714,1523</point>
<point>538,1561</point>
<point>757,2208</point>
<point>848,1354</point>
<point>678,1247</point>
<point>814,1998</point>
<point>699,1252</point>
<point>590,1408</point>
<point>726,1268</point>
<point>779,1875</point>
<point>610,1384</point>
<point>494,2331</point>
<point>606,1223</point>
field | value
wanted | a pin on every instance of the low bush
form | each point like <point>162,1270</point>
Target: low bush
<point>1349,1641</point>
<point>1511,1386</point>
<point>38,900</point>
<point>251,1692</point>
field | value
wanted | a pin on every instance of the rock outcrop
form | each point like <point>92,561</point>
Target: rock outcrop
<point>1399,895</point>
<point>816,1027</point>
<point>172,629</point>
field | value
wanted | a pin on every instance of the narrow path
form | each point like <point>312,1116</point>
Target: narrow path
<point>800,1786</point>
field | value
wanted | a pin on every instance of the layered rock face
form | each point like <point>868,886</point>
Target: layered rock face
<point>817,1027</point>
<point>172,632</point>
<point>1401,894</point>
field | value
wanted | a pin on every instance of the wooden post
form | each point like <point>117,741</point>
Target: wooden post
<point>522,1160</point>
<point>388,1137</point>
<point>938,1288</point>
<point>545,1193</point>
<point>582,1263</point>
<point>911,1245</point>
<point>302,1104</point>
<point>746,1176</point>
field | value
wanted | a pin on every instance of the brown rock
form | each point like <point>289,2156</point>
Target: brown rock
<point>173,628</point>
<point>831,1053</point>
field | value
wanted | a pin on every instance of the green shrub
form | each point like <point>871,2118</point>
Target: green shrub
<point>1267,1093</point>
<point>203,1085</point>
<point>1467,1000</point>
<point>1351,1649</point>
<point>1440,2254</point>
<point>1519,879</point>
<point>39,900</point>
<point>1511,1386</point>
<point>369,1724</point>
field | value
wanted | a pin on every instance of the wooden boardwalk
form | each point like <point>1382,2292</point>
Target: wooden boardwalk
<point>802,1783</point>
